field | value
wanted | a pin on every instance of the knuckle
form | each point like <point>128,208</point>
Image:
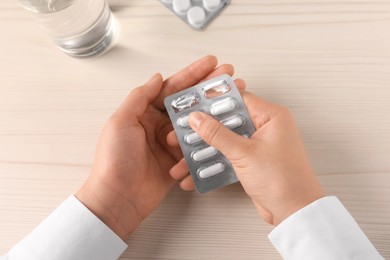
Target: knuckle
<point>212,131</point>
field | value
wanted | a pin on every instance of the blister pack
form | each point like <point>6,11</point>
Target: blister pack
<point>220,98</point>
<point>196,13</point>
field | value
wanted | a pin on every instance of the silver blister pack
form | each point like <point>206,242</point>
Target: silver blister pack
<point>196,13</point>
<point>220,98</point>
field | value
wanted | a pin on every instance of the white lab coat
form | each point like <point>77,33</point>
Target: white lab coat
<point>322,230</point>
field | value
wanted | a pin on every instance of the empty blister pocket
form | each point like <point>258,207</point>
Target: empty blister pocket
<point>219,98</point>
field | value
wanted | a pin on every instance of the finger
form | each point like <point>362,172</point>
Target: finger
<point>139,99</point>
<point>260,110</point>
<point>240,84</point>
<point>172,139</point>
<point>186,77</point>
<point>232,145</point>
<point>162,133</point>
<point>187,184</point>
<point>223,69</point>
<point>179,170</point>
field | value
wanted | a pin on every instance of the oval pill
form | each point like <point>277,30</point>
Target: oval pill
<point>196,15</point>
<point>181,6</point>
<point>183,121</point>
<point>211,5</point>
<point>233,123</point>
<point>222,106</point>
<point>211,170</point>
<point>192,138</point>
<point>204,153</point>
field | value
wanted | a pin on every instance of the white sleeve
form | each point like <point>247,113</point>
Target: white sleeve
<point>71,232</point>
<point>322,230</point>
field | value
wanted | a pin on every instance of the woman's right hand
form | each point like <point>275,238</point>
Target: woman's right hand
<point>272,165</point>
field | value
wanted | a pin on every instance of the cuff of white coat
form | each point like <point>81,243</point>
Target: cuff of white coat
<point>70,232</point>
<point>323,229</point>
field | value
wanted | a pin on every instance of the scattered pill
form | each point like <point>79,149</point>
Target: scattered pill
<point>204,153</point>
<point>211,170</point>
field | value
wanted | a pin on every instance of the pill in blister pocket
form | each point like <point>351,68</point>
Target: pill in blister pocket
<point>181,6</point>
<point>211,5</point>
<point>223,106</point>
<point>204,153</point>
<point>211,170</point>
<point>196,13</point>
<point>192,138</point>
<point>183,121</point>
<point>233,123</point>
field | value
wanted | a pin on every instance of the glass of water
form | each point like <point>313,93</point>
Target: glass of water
<point>80,28</point>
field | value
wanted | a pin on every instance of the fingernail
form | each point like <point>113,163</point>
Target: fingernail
<point>154,77</point>
<point>195,120</point>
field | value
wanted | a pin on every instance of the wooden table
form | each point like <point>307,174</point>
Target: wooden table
<point>328,61</point>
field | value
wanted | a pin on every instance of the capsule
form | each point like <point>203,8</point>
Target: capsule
<point>204,153</point>
<point>211,170</point>
<point>223,106</point>
<point>192,138</point>
<point>233,123</point>
<point>183,121</point>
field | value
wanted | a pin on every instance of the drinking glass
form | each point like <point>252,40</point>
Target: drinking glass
<point>80,28</point>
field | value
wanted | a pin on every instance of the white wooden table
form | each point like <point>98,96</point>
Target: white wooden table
<point>329,61</point>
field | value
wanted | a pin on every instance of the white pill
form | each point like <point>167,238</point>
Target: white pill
<point>192,138</point>
<point>181,6</point>
<point>211,5</point>
<point>183,121</point>
<point>233,123</point>
<point>204,153</point>
<point>222,106</point>
<point>196,15</point>
<point>211,170</point>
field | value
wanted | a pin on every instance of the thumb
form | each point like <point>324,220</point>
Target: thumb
<point>232,145</point>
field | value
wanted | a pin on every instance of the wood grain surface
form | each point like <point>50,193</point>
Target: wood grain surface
<point>328,61</point>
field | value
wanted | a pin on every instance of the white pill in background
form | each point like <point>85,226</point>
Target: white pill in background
<point>192,138</point>
<point>183,121</point>
<point>211,5</point>
<point>181,6</point>
<point>233,123</point>
<point>222,106</point>
<point>167,1</point>
<point>196,15</point>
<point>204,153</point>
<point>211,170</point>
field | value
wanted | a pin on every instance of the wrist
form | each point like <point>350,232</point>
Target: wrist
<point>294,204</point>
<point>113,210</point>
